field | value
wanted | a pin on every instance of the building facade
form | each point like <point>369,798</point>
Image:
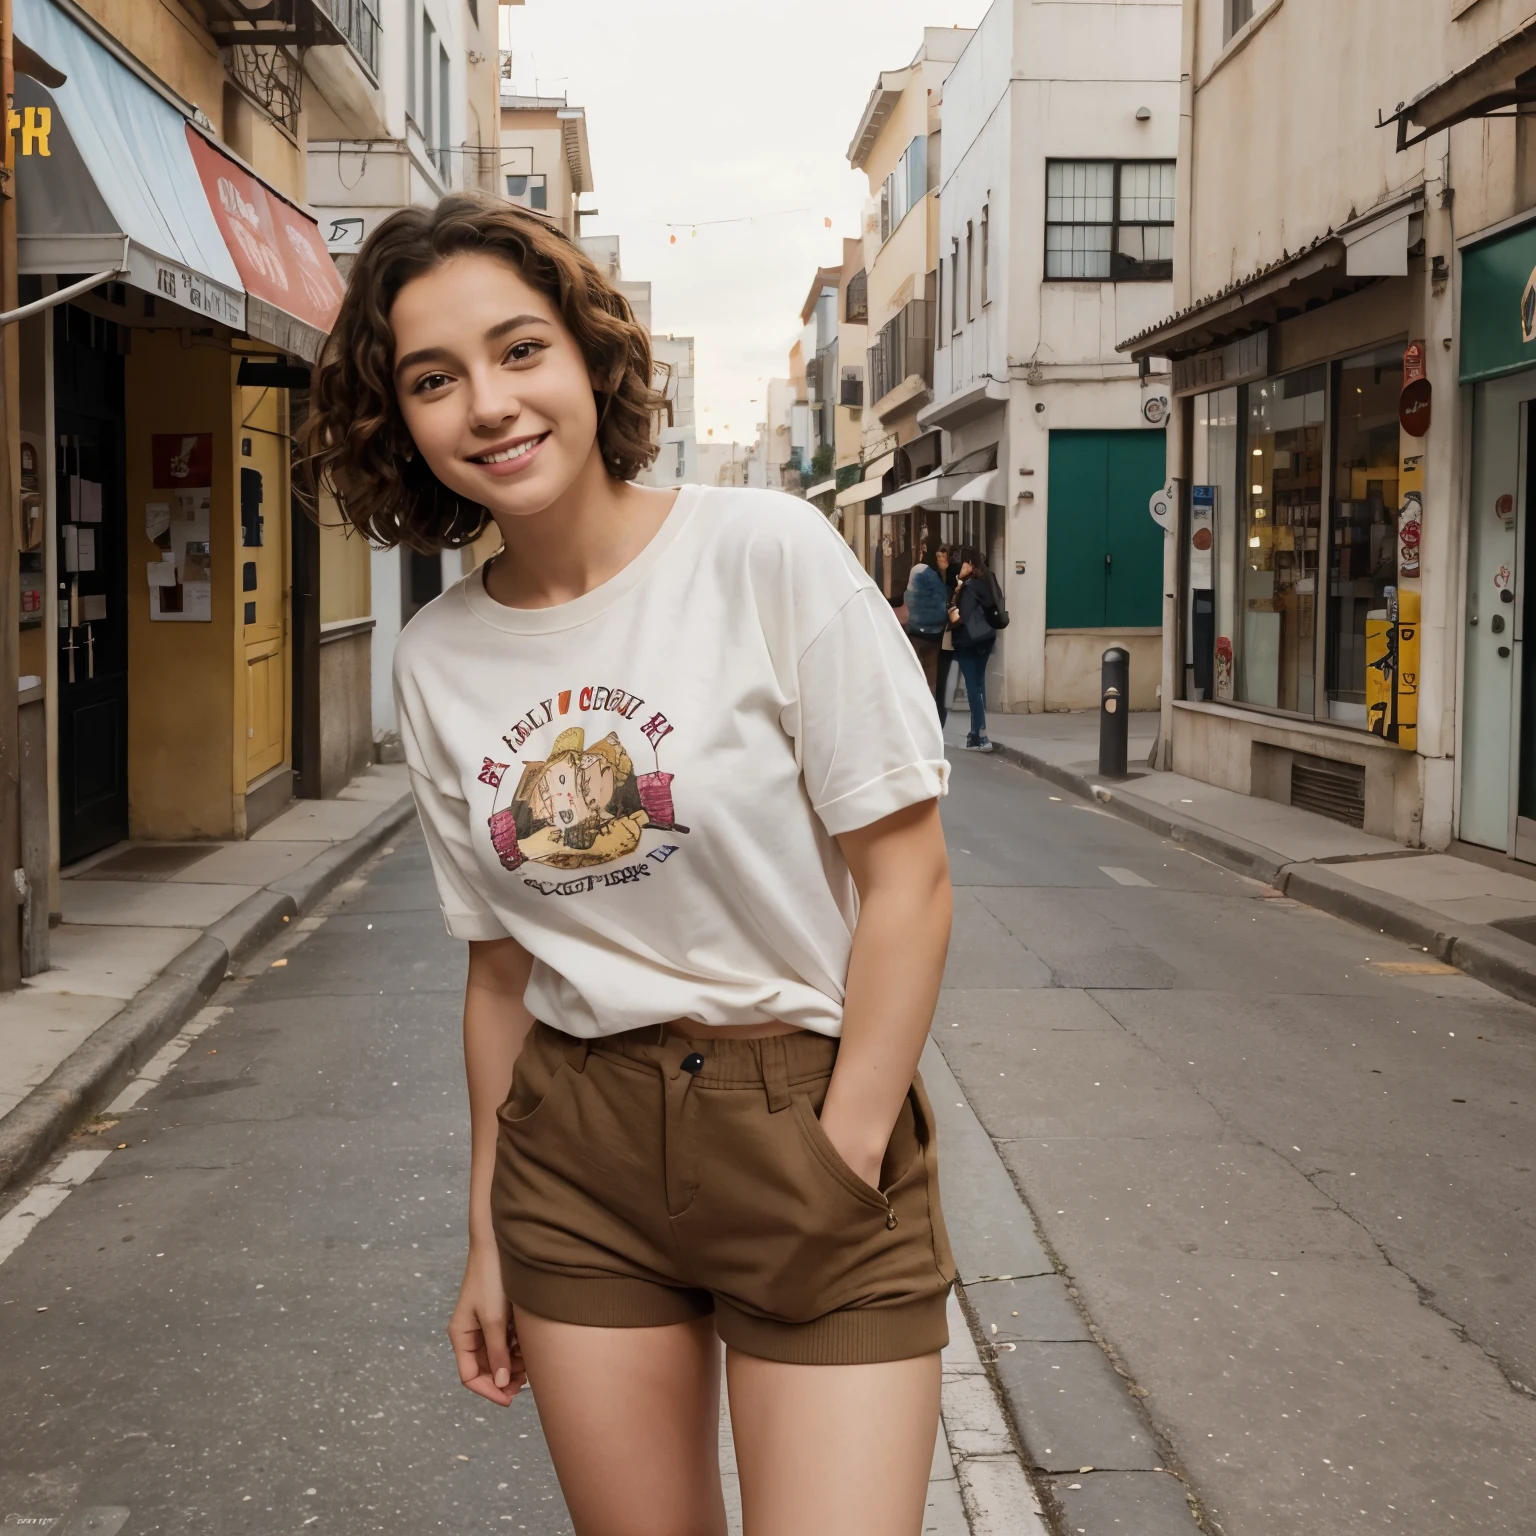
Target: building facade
<point>1353,345</point>
<point>897,146</point>
<point>1056,213</point>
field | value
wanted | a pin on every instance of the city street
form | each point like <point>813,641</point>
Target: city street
<point>1285,1167</point>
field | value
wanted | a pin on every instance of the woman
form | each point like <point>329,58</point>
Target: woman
<point>927,604</point>
<point>694,1107</point>
<point>945,566</point>
<point>973,616</point>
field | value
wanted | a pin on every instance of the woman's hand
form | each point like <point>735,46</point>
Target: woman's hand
<point>863,1153</point>
<point>480,1331</point>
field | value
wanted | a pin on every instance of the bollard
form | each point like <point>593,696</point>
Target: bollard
<point>1115,713</point>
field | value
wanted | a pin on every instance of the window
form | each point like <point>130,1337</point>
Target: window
<point>903,349</point>
<point>425,120</point>
<point>857,312</point>
<point>954,286</point>
<point>1109,221</point>
<point>410,61</point>
<point>986,253</point>
<point>905,187</point>
<point>443,153</point>
<point>970,270</point>
<point>1239,14</point>
<point>529,192</point>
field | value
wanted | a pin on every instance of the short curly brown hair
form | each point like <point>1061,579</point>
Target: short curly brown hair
<point>354,439</point>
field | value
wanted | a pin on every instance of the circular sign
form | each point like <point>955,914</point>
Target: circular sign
<point>1414,407</point>
<point>1156,410</point>
<point>1202,538</point>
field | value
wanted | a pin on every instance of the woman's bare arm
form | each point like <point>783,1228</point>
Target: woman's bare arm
<point>901,868</point>
<point>496,1023</point>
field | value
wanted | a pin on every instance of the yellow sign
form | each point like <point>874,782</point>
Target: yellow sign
<point>1392,674</point>
<point>34,124</point>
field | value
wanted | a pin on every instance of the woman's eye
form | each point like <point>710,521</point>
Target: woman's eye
<point>523,351</point>
<point>429,382</point>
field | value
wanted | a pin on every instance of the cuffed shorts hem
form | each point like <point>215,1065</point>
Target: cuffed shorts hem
<point>852,1336</point>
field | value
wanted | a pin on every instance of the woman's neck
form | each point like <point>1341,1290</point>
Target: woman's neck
<point>585,537</point>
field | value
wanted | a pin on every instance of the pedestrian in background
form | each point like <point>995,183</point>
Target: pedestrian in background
<point>696,997</point>
<point>927,617</point>
<point>977,614</point>
<point>944,678</point>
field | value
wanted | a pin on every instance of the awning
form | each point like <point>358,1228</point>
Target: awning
<point>104,178</point>
<point>821,489</point>
<point>1504,76</point>
<point>294,288</point>
<point>864,490</point>
<point>112,177</point>
<point>932,491</point>
<point>879,468</point>
<point>987,487</point>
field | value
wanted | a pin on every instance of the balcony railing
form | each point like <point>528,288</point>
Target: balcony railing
<point>903,349</point>
<point>358,22</point>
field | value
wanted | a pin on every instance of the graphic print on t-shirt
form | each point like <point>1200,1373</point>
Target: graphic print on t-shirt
<point>574,803</point>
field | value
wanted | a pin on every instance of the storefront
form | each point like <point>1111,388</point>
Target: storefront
<point>1301,450</point>
<point>1497,789</point>
<point>172,297</point>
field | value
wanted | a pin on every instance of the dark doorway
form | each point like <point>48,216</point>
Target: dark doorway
<point>422,580</point>
<point>93,583</point>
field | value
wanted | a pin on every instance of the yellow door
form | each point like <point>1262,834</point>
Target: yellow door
<point>261,576</point>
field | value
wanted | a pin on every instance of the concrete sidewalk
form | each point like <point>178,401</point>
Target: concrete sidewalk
<point>148,931</point>
<point>1473,915</point>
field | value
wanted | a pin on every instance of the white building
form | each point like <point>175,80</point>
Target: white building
<point>418,119</point>
<point>1060,130</point>
<point>677,463</point>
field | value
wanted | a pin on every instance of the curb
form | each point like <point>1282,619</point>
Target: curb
<point>98,1068</point>
<point>1487,954</point>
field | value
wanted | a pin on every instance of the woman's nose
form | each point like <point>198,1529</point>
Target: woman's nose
<point>492,400</point>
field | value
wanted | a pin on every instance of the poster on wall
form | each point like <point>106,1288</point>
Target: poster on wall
<point>1202,537</point>
<point>181,578</point>
<point>1410,516</point>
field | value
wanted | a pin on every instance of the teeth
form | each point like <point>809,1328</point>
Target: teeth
<point>521,451</point>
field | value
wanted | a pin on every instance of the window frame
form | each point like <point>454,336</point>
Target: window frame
<point>986,252</point>
<point>1117,272</point>
<point>970,271</point>
<point>954,286</point>
<point>1236,14</point>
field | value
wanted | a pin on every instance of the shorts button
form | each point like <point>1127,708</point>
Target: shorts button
<point>693,1062</point>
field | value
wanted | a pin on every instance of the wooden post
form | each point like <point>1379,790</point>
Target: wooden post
<point>10,501</point>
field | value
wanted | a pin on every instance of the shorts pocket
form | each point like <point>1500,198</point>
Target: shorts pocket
<point>540,1071</point>
<point>830,1158</point>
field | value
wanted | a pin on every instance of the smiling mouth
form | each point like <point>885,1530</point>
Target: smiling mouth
<point>511,454</point>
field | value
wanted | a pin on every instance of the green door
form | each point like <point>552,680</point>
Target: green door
<point>1104,554</point>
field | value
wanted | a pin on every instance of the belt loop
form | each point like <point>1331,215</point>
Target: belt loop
<point>576,1052</point>
<point>775,1064</point>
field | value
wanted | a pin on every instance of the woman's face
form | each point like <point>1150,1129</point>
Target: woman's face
<point>943,559</point>
<point>493,388</point>
<point>965,569</point>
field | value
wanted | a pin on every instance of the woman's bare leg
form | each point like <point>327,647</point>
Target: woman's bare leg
<point>833,1450</point>
<point>632,1420</point>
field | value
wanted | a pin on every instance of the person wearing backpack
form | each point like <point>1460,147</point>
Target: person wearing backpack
<point>927,616</point>
<point>977,614</point>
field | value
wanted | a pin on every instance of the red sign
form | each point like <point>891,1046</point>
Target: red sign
<point>1413,362</point>
<point>181,460</point>
<point>1414,407</point>
<point>277,250</point>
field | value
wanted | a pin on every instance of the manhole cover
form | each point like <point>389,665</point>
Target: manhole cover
<point>153,861</point>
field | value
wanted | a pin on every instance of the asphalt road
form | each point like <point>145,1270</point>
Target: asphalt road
<point>1287,1166</point>
<point>1290,1166</point>
<point>245,1308</point>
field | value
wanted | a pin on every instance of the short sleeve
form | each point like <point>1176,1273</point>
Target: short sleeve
<point>866,726</point>
<point>444,816</point>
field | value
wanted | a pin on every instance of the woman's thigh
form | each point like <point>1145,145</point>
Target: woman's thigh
<point>632,1420</point>
<point>825,1450</point>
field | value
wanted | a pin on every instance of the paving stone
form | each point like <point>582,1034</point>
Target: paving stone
<point>1123,1504</point>
<point>1072,1410</point>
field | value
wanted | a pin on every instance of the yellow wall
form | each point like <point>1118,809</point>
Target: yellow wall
<point>345,584</point>
<point>181,677</point>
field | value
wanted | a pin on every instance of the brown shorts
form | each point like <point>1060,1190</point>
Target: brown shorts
<point>642,1181</point>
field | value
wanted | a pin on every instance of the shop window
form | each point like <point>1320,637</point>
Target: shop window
<point>1281,462</point>
<point>1362,543</point>
<point>1109,221</point>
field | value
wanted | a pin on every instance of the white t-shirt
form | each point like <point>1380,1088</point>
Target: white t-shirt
<point>642,786</point>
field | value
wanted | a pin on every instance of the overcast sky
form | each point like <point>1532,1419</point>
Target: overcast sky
<point>703,110</point>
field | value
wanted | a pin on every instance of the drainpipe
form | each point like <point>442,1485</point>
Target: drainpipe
<point>10,666</point>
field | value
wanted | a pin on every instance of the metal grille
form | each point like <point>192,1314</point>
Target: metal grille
<point>1335,790</point>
